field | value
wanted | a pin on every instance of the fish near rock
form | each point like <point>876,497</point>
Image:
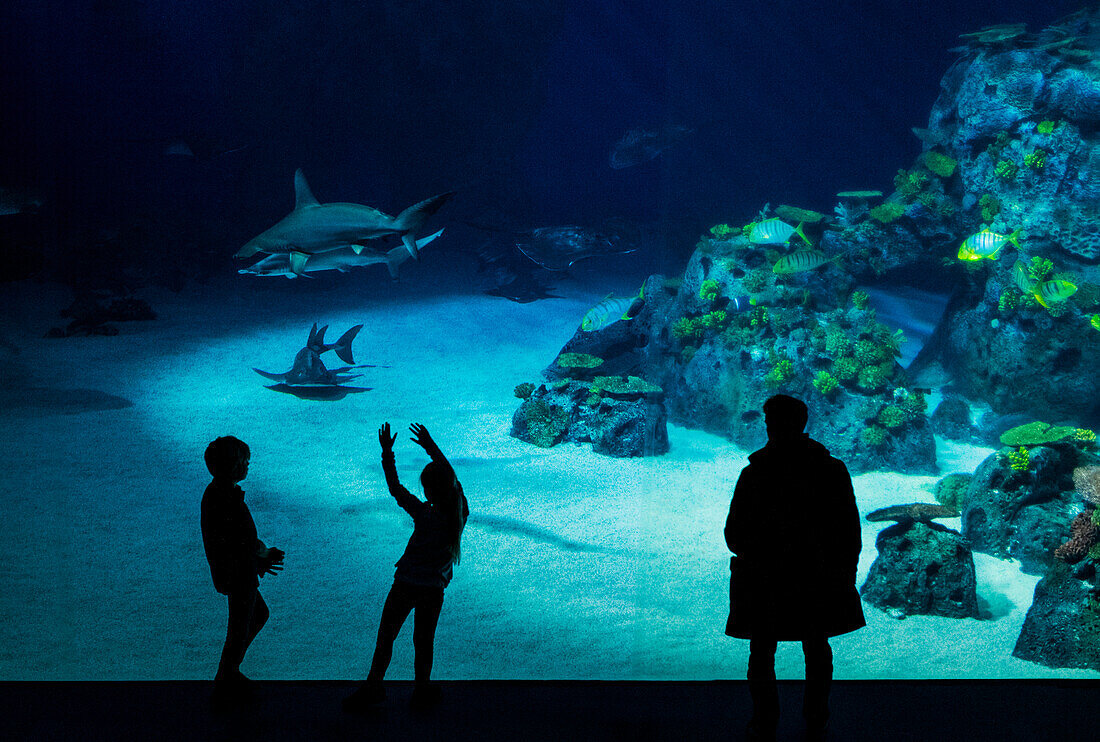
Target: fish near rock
<point>917,511</point>
<point>612,309</point>
<point>801,260</point>
<point>986,245</point>
<point>775,232</point>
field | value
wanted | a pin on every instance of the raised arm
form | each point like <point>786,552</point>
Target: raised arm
<point>422,438</point>
<point>408,502</point>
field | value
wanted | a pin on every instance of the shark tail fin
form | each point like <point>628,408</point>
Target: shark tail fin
<point>411,219</point>
<point>343,345</point>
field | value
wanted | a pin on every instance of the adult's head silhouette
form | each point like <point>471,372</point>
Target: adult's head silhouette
<point>785,418</point>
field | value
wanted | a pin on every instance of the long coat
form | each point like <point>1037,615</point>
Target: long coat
<point>794,530</point>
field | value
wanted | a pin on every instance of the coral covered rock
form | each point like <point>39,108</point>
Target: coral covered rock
<point>1083,535</point>
<point>922,568</point>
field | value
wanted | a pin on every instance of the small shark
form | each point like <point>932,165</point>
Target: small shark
<point>308,369</point>
<point>314,227</point>
<point>340,259</point>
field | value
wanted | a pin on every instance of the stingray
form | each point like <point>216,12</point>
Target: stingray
<point>318,392</point>
<point>309,370</point>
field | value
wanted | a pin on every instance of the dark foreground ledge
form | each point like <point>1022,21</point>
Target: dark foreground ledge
<point>878,711</point>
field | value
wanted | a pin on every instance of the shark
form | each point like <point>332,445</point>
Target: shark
<point>308,368</point>
<point>340,259</point>
<point>314,227</point>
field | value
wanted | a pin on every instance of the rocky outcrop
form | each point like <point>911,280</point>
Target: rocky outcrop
<point>1062,627</point>
<point>922,568</point>
<point>619,417</point>
<point>1023,513</point>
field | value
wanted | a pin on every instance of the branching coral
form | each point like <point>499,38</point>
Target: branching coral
<point>825,383</point>
<point>1018,460</point>
<point>709,290</point>
<point>887,212</point>
<point>1084,535</point>
<point>990,206</point>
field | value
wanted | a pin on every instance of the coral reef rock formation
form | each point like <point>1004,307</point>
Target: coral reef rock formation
<point>1022,514</point>
<point>923,568</point>
<point>1062,627</point>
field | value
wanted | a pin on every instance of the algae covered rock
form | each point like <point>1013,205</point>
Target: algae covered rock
<point>922,568</point>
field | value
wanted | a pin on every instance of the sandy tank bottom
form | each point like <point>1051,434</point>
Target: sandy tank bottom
<point>574,565</point>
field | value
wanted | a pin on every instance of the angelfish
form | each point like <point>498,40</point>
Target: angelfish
<point>775,231</point>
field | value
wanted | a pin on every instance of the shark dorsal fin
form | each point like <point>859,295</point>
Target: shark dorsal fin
<point>303,197</point>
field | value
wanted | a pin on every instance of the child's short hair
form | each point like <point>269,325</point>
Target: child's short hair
<point>226,456</point>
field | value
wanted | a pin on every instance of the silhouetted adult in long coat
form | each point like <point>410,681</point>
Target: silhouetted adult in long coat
<point>794,530</point>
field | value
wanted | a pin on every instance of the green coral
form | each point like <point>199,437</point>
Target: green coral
<point>1036,160</point>
<point>913,405</point>
<point>1018,460</point>
<point>951,490</point>
<point>873,436</point>
<point>1084,435</point>
<point>887,212</point>
<point>873,378</point>
<point>579,360</point>
<point>546,424</point>
<point>723,231</point>
<point>686,329</point>
<point>891,417</point>
<point>780,373</point>
<point>1035,434</point>
<point>617,385</point>
<point>846,368</point>
<point>758,318</point>
<point>825,383</point>
<point>1008,300</point>
<point>1045,127</point>
<point>524,390</point>
<point>860,299</point>
<point>990,206</point>
<point>709,290</point>
<point>1006,169</point>
<point>1040,269</point>
<point>868,353</point>
<point>716,320</point>
<point>909,183</point>
<point>939,163</point>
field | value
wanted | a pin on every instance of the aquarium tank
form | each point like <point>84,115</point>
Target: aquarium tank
<point>582,243</point>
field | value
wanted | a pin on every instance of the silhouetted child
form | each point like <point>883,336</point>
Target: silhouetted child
<point>423,571</point>
<point>237,558</point>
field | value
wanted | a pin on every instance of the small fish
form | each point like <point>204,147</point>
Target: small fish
<point>986,245</point>
<point>1021,279</point>
<point>611,310</point>
<point>801,260</point>
<point>1054,291</point>
<point>775,231</point>
<point>1095,322</point>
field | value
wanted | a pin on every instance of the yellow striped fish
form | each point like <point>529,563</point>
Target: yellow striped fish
<point>986,245</point>
<point>611,310</point>
<point>1095,321</point>
<point>801,260</point>
<point>1021,279</point>
<point>1054,291</point>
<point>775,232</point>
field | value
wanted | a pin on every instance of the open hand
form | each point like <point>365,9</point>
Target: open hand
<point>272,561</point>
<point>422,438</point>
<point>385,439</point>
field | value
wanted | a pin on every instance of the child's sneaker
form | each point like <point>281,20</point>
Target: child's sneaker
<point>365,696</point>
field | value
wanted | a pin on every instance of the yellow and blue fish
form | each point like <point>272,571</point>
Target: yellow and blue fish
<point>801,260</point>
<point>1021,278</point>
<point>1054,291</point>
<point>985,245</point>
<point>611,310</point>
<point>775,231</point>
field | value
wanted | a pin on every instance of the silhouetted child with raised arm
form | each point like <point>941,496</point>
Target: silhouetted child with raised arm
<point>237,558</point>
<point>423,571</point>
